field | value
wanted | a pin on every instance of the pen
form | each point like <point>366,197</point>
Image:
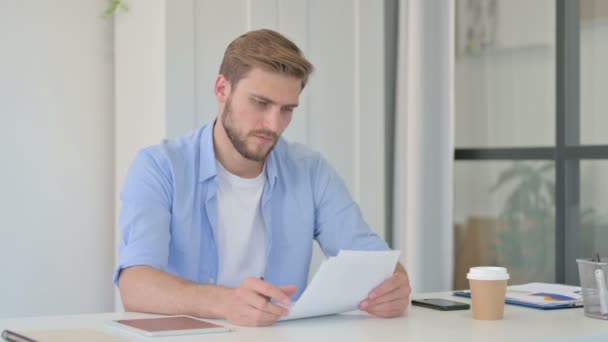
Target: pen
<point>12,336</point>
<point>266,297</point>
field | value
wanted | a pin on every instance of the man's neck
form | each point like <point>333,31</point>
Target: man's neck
<point>230,158</point>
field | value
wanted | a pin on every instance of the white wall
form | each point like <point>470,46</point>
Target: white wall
<point>140,83</point>
<point>56,143</point>
<point>66,151</point>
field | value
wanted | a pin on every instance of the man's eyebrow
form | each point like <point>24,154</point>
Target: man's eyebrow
<point>265,99</point>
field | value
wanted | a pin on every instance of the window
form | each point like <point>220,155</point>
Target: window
<point>531,111</point>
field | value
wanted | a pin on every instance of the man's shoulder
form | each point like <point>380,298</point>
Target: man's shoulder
<point>184,146</point>
<point>294,153</point>
<point>174,154</point>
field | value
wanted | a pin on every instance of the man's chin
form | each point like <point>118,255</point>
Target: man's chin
<point>260,153</point>
<point>258,156</point>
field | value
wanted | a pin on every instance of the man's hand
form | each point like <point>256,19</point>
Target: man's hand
<point>250,305</point>
<point>391,298</point>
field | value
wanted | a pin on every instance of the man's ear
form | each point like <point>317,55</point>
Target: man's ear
<point>221,89</point>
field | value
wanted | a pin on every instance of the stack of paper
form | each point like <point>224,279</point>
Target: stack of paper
<point>342,282</point>
<point>540,295</point>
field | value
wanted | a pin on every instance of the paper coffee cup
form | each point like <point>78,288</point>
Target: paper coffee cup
<point>488,290</point>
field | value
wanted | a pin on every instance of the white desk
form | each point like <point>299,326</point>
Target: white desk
<point>420,324</point>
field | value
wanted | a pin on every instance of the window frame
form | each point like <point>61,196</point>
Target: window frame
<point>567,153</point>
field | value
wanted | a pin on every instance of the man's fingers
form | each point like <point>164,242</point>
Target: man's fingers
<point>289,290</point>
<point>259,302</point>
<point>397,294</point>
<point>263,304</point>
<point>264,317</point>
<point>266,289</point>
<point>389,285</point>
<point>389,299</point>
<point>254,317</point>
<point>253,305</point>
<point>389,309</point>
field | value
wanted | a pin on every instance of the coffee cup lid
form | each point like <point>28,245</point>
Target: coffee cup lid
<point>488,273</point>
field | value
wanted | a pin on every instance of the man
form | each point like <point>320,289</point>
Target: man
<point>217,223</point>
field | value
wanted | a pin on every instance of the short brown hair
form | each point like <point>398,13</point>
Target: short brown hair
<point>268,50</point>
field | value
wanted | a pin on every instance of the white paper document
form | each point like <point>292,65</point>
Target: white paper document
<point>344,281</point>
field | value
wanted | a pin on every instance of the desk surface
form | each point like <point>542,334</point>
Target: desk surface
<point>419,324</point>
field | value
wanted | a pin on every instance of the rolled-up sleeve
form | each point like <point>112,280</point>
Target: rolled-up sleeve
<point>338,220</point>
<point>145,215</point>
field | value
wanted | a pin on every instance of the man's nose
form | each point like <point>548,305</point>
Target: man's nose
<point>272,119</point>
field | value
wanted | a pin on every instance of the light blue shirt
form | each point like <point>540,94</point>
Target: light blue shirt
<point>169,211</point>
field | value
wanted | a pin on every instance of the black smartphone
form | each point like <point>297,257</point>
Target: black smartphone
<point>440,304</point>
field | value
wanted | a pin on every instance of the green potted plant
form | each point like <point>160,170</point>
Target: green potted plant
<point>526,244</point>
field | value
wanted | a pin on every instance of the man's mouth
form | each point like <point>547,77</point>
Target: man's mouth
<point>264,138</point>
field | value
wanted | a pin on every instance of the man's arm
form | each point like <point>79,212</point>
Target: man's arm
<point>144,251</point>
<point>338,220</point>
<point>339,225</point>
<point>391,298</point>
<point>145,289</point>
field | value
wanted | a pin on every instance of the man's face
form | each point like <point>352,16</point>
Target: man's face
<point>257,111</point>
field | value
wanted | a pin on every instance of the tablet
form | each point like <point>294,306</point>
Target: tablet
<point>167,326</point>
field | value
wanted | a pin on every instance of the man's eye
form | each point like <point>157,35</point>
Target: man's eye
<point>260,103</point>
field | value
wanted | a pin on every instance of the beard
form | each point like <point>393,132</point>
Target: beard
<point>239,139</point>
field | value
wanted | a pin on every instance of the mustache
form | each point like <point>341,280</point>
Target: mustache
<point>265,133</point>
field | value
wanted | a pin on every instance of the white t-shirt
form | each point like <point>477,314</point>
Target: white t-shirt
<point>240,234</point>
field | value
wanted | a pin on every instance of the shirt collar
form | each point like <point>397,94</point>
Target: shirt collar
<point>207,168</point>
<point>271,165</point>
